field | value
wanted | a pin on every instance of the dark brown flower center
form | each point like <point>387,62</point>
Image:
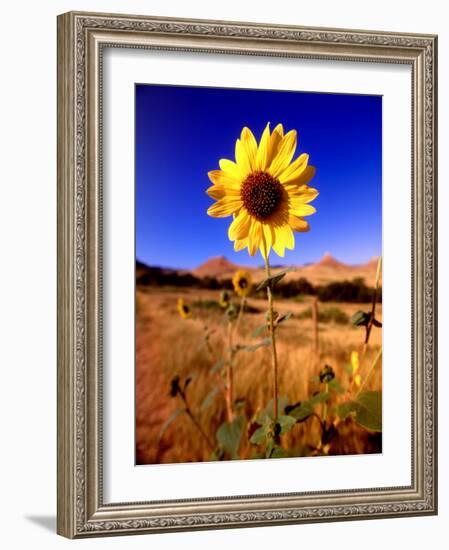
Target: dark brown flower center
<point>243,283</point>
<point>261,194</point>
<point>185,309</point>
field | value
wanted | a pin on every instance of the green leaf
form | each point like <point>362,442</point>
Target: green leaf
<point>266,432</point>
<point>360,318</point>
<point>174,415</point>
<point>321,397</point>
<point>218,365</point>
<point>367,410</point>
<point>259,330</point>
<point>239,404</point>
<point>345,409</point>
<point>334,385</point>
<point>216,454</point>
<point>229,435</point>
<point>269,448</point>
<point>370,414</point>
<point>302,412</point>
<point>259,435</point>
<point>273,279</point>
<point>306,408</point>
<point>209,398</point>
<point>278,452</point>
<point>269,409</point>
<point>287,422</point>
<point>253,347</point>
<point>256,455</point>
<point>284,317</point>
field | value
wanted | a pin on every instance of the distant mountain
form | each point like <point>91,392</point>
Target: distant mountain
<point>372,263</point>
<point>218,267</point>
<point>324,271</point>
<point>329,261</point>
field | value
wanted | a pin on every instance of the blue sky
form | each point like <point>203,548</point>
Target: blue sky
<point>182,132</point>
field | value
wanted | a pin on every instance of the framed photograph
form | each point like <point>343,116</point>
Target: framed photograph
<point>247,274</point>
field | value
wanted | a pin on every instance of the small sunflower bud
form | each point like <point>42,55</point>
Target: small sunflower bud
<point>224,299</point>
<point>232,312</point>
<point>327,374</point>
<point>174,387</point>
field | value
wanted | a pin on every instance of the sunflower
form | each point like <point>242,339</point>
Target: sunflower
<point>224,299</point>
<point>265,192</point>
<point>184,309</point>
<point>242,282</point>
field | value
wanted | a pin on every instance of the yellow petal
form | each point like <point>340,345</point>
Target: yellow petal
<point>216,192</point>
<point>275,141</point>
<point>279,247</point>
<point>242,158</point>
<point>224,207</point>
<point>262,152</point>
<point>284,155</point>
<point>231,168</point>
<point>267,240</point>
<point>254,237</point>
<point>240,245</point>
<point>249,143</point>
<point>239,228</point>
<point>284,238</point>
<point>219,177</point>
<point>304,193</point>
<point>301,179</point>
<point>295,169</point>
<point>297,207</point>
<point>298,224</point>
<point>219,191</point>
<point>285,232</point>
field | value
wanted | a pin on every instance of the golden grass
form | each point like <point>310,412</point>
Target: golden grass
<point>167,345</point>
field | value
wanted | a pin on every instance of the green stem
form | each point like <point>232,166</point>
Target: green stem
<point>373,307</point>
<point>209,347</point>
<point>195,421</point>
<point>368,374</point>
<point>326,389</point>
<point>230,376</point>
<point>274,360</point>
<point>240,315</point>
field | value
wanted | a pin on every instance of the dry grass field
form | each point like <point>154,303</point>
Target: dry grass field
<point>168,345</point>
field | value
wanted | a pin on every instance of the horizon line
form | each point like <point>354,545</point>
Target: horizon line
<point>248,266</point>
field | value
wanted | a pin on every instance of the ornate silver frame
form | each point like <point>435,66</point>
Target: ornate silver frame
<point>81,39</point>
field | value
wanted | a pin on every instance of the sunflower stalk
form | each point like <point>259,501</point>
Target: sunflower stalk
<point>230,366</point>
<point>230,376</point>
<point>239,318</point>
<point>274,359</point>
<point>326,390</point>
<point>370,371</point>
<point>208,344</point>
<point>220,383</point>
<point>194,420</point>
<point>370,324</point>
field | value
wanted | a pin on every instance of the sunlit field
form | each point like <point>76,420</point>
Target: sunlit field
<point>170,346</point>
